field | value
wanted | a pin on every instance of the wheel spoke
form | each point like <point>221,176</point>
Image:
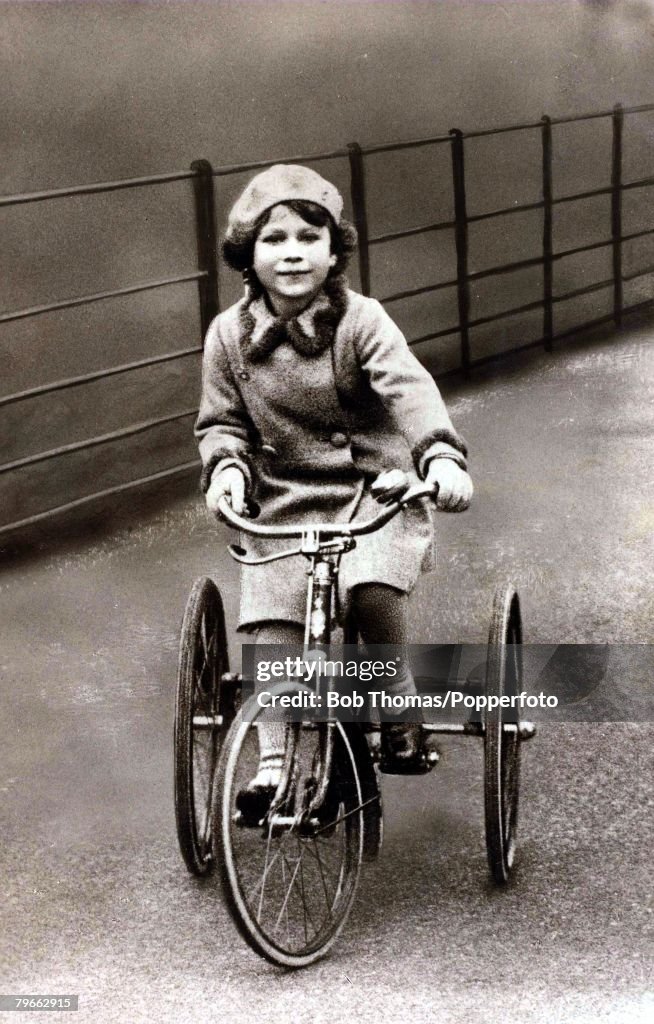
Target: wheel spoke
<point>266,869</point>
<point>284,863</point>
<point>205,829</point>
<point>262,880</point>
<point>203,768</point>
<point>328,901</point>
<point>200,693</point>
<point>305,909</point>
<point>288,892</point>
<point>347,814</point>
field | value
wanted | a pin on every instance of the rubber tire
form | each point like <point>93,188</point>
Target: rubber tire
<point>373,819</point>
<point>502,746</point>
<point>204,601</point>
<point>223,850</point>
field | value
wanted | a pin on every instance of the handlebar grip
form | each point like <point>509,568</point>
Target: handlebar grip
<point>225,511</point>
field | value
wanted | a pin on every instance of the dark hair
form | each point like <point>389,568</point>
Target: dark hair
<point>238,251</point>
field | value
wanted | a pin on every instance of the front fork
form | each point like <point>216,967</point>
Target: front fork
<point>322,573</point>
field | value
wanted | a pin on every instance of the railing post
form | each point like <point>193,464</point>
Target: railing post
<point>548,318</point>
<point>616,211</point>
<point>359,211</point>
<point>461,241</point>
<point>206,237</point>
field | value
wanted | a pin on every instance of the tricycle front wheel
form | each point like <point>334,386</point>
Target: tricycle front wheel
<point>289,880</point>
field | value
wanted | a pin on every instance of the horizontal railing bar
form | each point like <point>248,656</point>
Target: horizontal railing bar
<point>641,109</point>
<point>410,292</point>
<point>436,334</point>
<point>531,344</point>
<point>585,248</point>
<point>590,194</point>
<point>597,322</point>
<point>639,273</point>
<point>387,147</point>
<point>87,378</point>
<point>526,308</point>
<point>506,268</point>
<point>94,187</point>
<point>639,183</point>
<point>586,290</point>
<point>511,267</point>
<point>484,360</point>
<point>637,234</point>
<point>391,236</point>
<point>221,172</point>
<point>581,117</point>
<point>483,132</point>
<point>84,300</point>
<point>523,208</point>
<point>600,245</point>
<point>108,492</point>
<point>92,442</point>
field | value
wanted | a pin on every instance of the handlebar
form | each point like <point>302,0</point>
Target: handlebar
<point>355,529</point>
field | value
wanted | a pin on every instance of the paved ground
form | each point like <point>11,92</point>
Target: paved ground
<point>95,899</point>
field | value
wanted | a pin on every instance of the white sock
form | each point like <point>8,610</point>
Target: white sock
<point>272,736</point>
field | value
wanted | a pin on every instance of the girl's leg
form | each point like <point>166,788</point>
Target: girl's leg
<point>272,734</point>
<point>382,615</point>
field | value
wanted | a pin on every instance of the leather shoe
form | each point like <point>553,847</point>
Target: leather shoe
<point>401,747</point>
<point>254,803</point>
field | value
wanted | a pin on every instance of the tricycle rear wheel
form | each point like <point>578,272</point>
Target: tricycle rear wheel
<point>502,733</point>
<point>205,707</point>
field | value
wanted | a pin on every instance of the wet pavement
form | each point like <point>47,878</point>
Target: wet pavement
<point>95,898</point>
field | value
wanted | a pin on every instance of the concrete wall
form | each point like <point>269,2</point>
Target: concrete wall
<point>93,91</point>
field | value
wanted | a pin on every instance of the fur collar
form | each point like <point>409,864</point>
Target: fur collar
<point>310,333</point>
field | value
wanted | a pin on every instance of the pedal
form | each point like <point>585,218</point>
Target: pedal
<point>527,730</point>
<point>421,766</point>
<point>426,762</point>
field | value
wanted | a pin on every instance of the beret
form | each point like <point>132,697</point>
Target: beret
<point>279,184</point>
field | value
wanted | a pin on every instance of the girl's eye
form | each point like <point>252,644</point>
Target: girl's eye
<point>273,238</point>
<point>309,236</point>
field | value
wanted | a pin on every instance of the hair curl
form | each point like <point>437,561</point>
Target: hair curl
<point>238,251</point>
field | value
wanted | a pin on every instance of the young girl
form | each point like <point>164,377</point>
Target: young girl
<point>310,396</point>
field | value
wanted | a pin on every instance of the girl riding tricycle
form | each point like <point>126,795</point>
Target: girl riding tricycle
<point>313,412</point>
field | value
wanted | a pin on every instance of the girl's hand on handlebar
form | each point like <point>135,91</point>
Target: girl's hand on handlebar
<point>454,485</point>
<point>228,483</point>
<point>389,486</point>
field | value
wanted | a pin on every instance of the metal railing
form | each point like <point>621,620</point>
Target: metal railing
<point>202,176</point>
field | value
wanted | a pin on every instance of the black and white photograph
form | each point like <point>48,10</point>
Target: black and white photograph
<point>326,511</point>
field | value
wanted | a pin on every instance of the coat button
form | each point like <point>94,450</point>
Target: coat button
<point>338,439</point>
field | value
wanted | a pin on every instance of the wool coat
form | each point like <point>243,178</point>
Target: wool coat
<point>311,411</point>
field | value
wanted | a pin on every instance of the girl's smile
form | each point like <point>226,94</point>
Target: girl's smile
<point>292,260</point>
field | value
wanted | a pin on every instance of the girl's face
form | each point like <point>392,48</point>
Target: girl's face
<point>292,260</point>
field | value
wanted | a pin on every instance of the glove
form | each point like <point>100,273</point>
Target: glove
<point>389,486</point>
<point>454,485</point>
<point>229,483</point>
